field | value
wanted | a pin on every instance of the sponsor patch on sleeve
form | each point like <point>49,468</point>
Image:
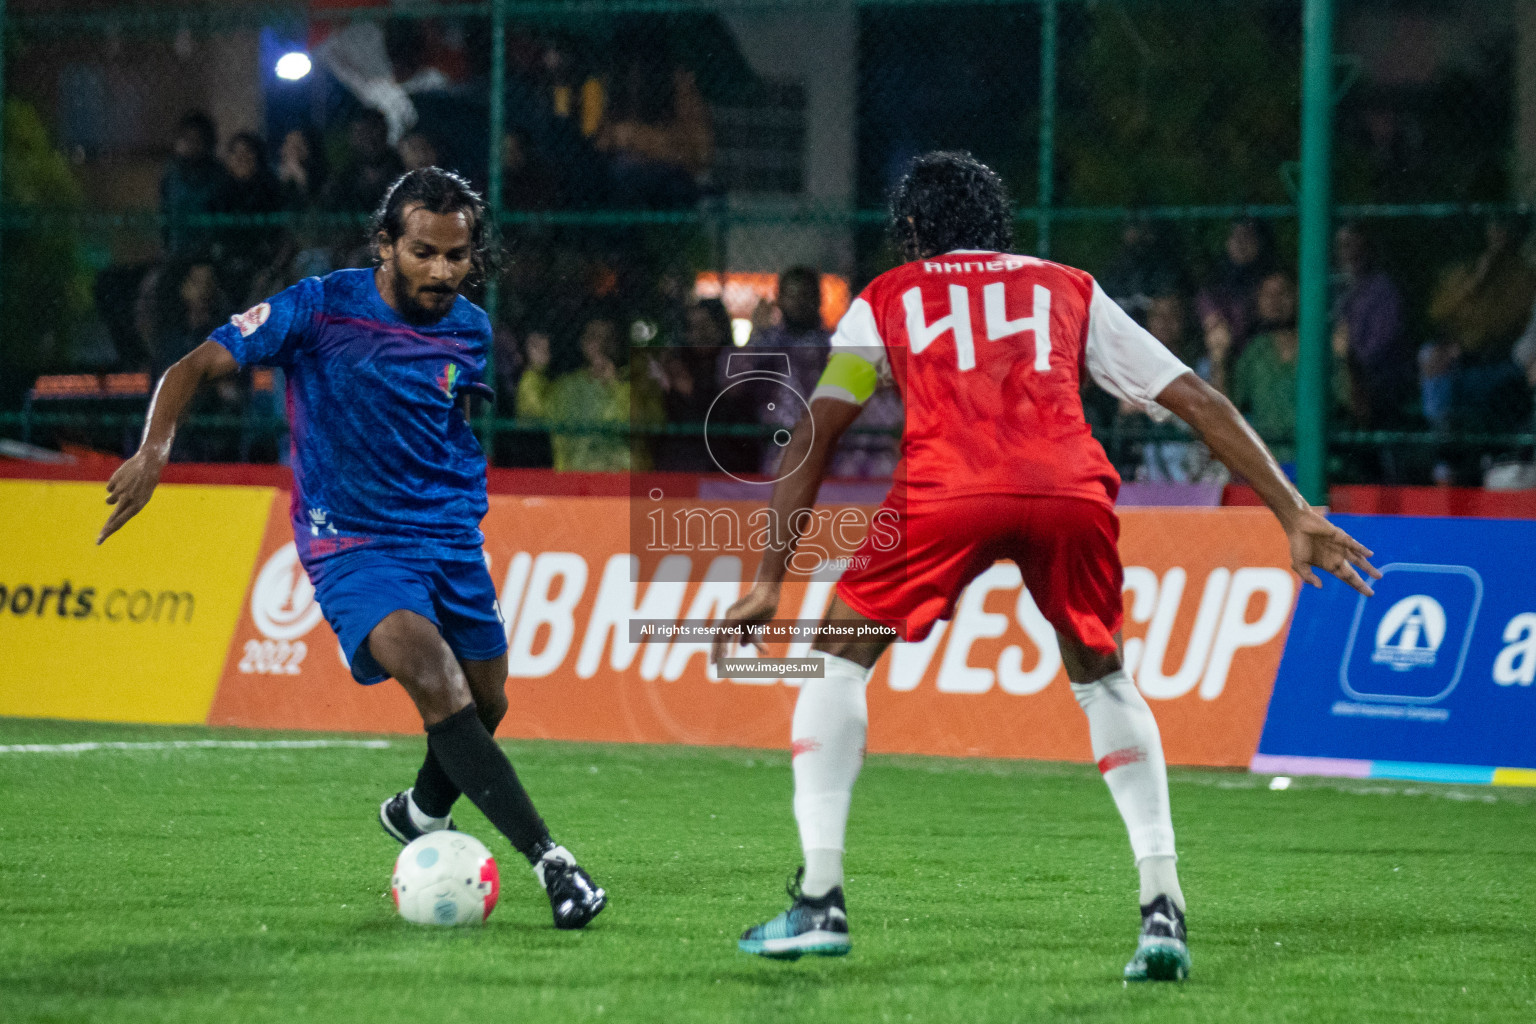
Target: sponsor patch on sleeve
<point>252,319</point>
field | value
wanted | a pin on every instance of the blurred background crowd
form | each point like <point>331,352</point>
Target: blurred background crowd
<point>664,181</point>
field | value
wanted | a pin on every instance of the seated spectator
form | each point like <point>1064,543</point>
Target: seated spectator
<point>708,332</point>
<point>369,167</point>
<point>250,189</point>
<point>1368,334</point>
<point>300,170</point>
<point>1469,379</point>
<point>686,374</point>
<point>192,184</point>
<point>790,325</point>
<point>180,304</point>
<point>599,394</point>
<point>656,133</point>
<point>1227,303</point>
<point>251,185</point>
<point>1264,380</point>
<point>186,302</point>
<point>1176,461</point>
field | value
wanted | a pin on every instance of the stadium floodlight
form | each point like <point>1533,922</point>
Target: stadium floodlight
<point>293,66</point>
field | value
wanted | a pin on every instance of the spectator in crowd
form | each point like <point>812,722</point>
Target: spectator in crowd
<point>301,176</point>
<point>792,326</point>
<point>1368,334</point>
<point>251,188</point>
<point>600,394</point>
<point>1524,352</point>
<point>1148,264</point>
<point>871,448</point>
<point>708,332</point>
<point>300,169</point>
<point>192,185</point>
<point>417,151</point>
<point>368,167</point>
<point>1264,381</point>
<point>1227,304</point>
<point>251,185</point>
<point>687,376</point>
<point>1470,380</point>
<point>186,303</point>
<point>1182,460</point>
<point>656,133</point>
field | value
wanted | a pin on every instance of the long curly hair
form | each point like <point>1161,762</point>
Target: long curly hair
<point>950,200</point>
<point>438,191</point>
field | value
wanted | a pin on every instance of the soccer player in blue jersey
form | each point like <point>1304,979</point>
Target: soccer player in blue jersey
<point>388,494</point>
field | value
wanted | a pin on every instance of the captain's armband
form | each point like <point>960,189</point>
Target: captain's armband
<point>847,378</point>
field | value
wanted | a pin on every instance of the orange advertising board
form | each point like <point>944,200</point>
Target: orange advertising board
<point>1208,601</point>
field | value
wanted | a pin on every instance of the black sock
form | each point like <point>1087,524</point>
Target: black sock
<point>479,768</point>
<point>434,792</point>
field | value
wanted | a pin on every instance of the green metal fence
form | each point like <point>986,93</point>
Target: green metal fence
<point>1176,114</point>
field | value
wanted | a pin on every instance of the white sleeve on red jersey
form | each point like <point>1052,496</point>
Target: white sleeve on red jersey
<point>858,335</point>
<point>1125,360</point>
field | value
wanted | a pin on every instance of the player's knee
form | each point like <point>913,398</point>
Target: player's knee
<point>436,688</point>
<point>492,708</point>
<point>1085,664</point>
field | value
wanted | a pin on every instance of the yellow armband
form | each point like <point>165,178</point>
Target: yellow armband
<point>848,378</point>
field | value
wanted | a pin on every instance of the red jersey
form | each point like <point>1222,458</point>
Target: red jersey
<point>988,352</point>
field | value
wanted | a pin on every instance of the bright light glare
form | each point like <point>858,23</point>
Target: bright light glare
<point>293,66</point>
<point>741,331</point>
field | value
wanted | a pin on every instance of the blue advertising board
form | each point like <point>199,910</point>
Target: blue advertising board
<point>1432,678</point>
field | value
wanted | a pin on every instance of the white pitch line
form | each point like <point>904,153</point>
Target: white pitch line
<point>82,748</point>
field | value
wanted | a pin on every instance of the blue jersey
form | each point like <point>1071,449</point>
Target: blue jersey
<point>382,456</point>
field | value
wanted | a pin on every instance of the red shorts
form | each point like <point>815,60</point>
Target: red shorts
<point>1066,548</point>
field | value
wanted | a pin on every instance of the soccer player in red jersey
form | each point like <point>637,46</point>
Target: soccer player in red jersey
<point>988,349</point>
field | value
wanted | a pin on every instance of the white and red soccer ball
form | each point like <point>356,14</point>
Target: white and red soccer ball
<point>445,878</point>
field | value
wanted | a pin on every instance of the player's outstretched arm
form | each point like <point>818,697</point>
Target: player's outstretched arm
<point>131,486</point>
<point>810,447</point>
<point>1315,542</point>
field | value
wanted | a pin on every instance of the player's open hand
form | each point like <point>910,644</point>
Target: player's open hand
<point>759,605</point>
<point>130,489</point>
<point>1317,543</point>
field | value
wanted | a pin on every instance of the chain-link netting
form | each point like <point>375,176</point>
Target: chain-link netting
<point>676,181</point>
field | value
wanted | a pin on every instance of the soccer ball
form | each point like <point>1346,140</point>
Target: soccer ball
<point>445,878</point>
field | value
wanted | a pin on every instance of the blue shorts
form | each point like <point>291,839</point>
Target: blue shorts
<point>357,590</point>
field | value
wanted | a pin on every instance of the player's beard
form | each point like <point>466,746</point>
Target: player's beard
<point>410,307</point>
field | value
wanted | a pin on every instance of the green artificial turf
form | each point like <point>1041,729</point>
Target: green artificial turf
<point>221,884</point>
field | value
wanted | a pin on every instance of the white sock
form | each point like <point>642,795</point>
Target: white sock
<point>558,854</point>
<point>830,723</point>
<point>1129,751</point>
<point>1160,876</point>
<point>420,819</point>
